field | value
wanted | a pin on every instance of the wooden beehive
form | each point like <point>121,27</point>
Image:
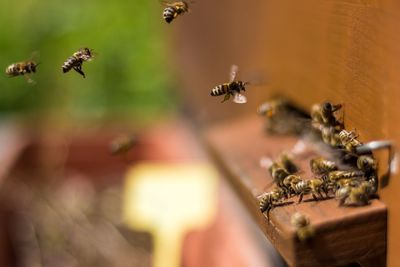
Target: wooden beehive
<point>307,51</point>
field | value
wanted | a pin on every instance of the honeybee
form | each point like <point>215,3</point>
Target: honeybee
<point>286,160</point>
<point>269,199</point>
<point>330,136</point>
<point>271,108</point>
<point>290,182</point>
<point>314,187</point>
<point>304,230</point>
<point>369,147</point>
<point>356,196</point>
<point>278,173</point>
<point>325,114</point>
<point>322,166</point>
<point>174,9</point>
<point>352,182</point>
<point>76,60</point>
<point>283,118</point>
<point>122,144</point>
<point>337,175</point>
<point>349,141</point>
<point>232,88</point>
<point>367,163</point>
<point>22,68</point>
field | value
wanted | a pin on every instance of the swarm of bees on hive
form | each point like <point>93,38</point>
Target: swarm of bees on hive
<point>351,177</point>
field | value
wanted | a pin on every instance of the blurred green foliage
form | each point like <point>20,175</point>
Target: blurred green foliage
<point>130,75</point>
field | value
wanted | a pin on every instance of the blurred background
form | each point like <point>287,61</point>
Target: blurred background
<point>132,75</point>
<point>61,191</point>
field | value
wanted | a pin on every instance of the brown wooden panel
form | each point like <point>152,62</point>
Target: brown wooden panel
<point>345,51</point>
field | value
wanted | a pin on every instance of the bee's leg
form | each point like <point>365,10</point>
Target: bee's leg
<point>78,69</point>
<point>227,96</point>
<point>29,80</point>
<point>314,197</point>
<point>300,197</point>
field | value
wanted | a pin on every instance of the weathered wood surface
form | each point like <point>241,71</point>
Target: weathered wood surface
<point>343,234</point>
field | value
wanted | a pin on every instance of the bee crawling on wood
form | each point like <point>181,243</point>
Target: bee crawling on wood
<point>315,187</point>
<point>174,9</point>
<point>356,196</point>
<point>290,182</point>
<point>269,199</point>
<point>232,88</point>
<point>122,144</point>
<point>281,168</point>
<point>335,176</point>
<point>76,60</point>
<point>321,166</point>
<point>325,114</point>
<point>349,141</point>
<point>22,68</point>
<point>367,164</point>
<point>301,223</point>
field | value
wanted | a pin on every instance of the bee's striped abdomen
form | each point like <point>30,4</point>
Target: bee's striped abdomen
<point>220,90</point>
<point>12,70</point>
<point>169,14</point>
<point>69,64</point>
<point>30,67</point>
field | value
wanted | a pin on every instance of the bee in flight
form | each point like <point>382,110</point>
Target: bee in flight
<point>122,144</point>
<point>232,88</point>
<point>76,60</point>
<point>174,9</point>
<point>22,68</point>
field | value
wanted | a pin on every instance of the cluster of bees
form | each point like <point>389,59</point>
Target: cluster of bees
<point>352,179</point>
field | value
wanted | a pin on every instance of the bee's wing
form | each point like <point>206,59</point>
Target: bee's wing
<point>35,55</point>
<point>239,99</point>
<point>233,73</point>
<point>165,2</point>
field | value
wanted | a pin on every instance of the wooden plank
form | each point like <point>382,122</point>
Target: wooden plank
<point>343,234</point>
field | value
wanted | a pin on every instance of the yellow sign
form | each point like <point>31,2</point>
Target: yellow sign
<point>168,200</point>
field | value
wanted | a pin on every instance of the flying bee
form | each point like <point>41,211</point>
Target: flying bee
<point>322,166</point>
<point>122,144</point>
<point>232,88</point>
<point>76,60</point>
<point>301,223</point>
<point>269,199</point>
<point>22,68</point>
<point>315,187</point>
<point>272,108</point>
<point>349,141</point>
<point>173,10</point>
<point>282,117</point>
<point>325,114</point>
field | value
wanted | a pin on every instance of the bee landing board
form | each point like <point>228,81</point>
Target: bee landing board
<point>342,235</point>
